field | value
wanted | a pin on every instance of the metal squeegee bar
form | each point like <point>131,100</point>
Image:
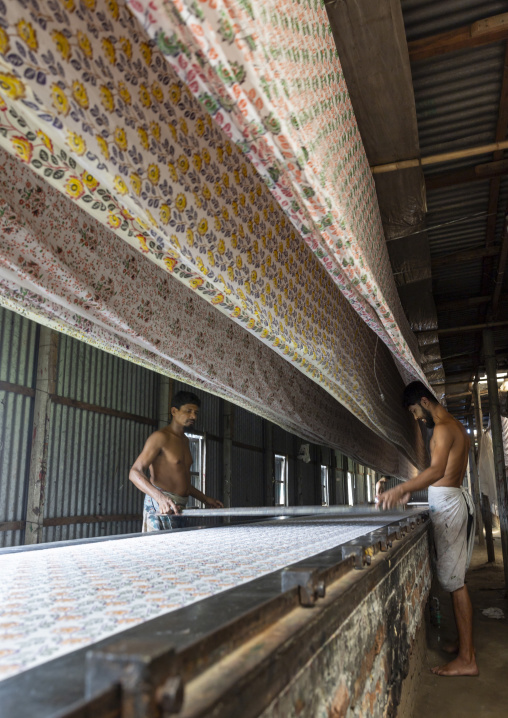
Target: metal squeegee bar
<point>356,511</point>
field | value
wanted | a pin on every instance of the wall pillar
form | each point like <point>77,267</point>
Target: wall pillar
<point>165,396</point>
<point>268,462</point>
<point>332,484</point>
<point>475,490</point>
<point>45,386</point>
<point>497,443</point>
<point>227,448</point>
<point>478,417</point>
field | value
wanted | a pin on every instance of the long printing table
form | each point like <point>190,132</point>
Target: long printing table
<point>161,602</point>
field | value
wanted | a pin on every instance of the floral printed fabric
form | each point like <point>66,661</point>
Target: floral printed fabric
<point>91,591</point>
<point>62,267</point>
<point>268,73</point>
<point>96,110</point>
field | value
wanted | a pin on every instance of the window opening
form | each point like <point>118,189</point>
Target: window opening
<point>350,490</point>
<point>368,478</point>
<point>325,486</point>
<point>197,449</point>
<point>281,480</point>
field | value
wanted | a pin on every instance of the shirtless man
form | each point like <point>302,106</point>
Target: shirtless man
<point>167,455</point>
<point>451,512</point>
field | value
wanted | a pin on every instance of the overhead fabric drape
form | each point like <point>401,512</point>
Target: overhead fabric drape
<point>268,73</point>
<point>92,107</point>
<point>64,268</point>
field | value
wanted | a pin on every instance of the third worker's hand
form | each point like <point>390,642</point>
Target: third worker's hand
<point>211,503</point>
<point>391,498</point>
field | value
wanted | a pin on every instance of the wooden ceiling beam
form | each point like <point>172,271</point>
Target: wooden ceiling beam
<point>468,255</point>
<point>497,147</point>
<point>469,303</point>
<point>482,32</point>
<point>481,172</point>
<point>471,328</point>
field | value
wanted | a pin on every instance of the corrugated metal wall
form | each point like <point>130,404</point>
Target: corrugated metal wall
<point>103,411</point>
<point>18,348</point>
<point>90,453</point>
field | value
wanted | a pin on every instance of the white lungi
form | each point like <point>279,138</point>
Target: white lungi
<point>453,521</point>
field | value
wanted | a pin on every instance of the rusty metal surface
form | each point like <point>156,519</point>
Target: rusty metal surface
<point>165,648</point>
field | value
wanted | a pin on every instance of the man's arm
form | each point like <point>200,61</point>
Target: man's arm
<point>151,450</point>
<point>442,441</point>
<point>207,500</point>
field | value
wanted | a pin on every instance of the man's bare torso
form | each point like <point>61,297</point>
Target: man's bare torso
<point>170,470</point>
<point>459,452</point>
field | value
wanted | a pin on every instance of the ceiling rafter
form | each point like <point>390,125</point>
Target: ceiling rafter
<point>482,32</point>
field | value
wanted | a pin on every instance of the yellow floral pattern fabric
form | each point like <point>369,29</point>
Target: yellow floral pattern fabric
<point>62,267</point>
<point>91,105</point>
<point>269,75</point>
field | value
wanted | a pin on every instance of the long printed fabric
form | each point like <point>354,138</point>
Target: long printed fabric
<point>268,73</point>
<point>86,75</point>
<point>64,268</point>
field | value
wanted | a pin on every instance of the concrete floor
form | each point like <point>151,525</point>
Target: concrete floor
<point>485,696</point>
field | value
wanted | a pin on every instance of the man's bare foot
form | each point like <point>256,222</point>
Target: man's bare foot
<point>457,667</point>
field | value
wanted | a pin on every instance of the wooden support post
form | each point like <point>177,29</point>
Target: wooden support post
<point>332,484</point>
<point>497,443</point>
<point>164,413</point>
<point>269,463</point>
<point>227,447</point>
<point>318,497</point>
<point>475,486</point>
<point>487,520</point>
<point>478,417</point>
<point>45,386</point>
<point>299,476</point>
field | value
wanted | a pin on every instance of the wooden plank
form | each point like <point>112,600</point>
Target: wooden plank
<point>164,412</point>
<point>469,255</point>
<point>249,447</point>
<point>461,304</point>
<point>479,173</point>
<point>441,157</point>
<point>75,404</point>
<point>12,525</point>
<point>471,328</point>
<point>45,386</point>
<point>16,388</point>
<point>371,42</point>
<point>90,519</point>
<point>481,32</point>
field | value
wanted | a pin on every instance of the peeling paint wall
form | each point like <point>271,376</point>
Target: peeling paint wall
<point>360,669</point>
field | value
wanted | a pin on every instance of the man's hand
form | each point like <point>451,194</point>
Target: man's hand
<point>167,506</point>
<point>393,497</point>
<point>213,503</point>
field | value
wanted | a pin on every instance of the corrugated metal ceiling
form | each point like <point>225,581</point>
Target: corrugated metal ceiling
<point>457,98</point>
